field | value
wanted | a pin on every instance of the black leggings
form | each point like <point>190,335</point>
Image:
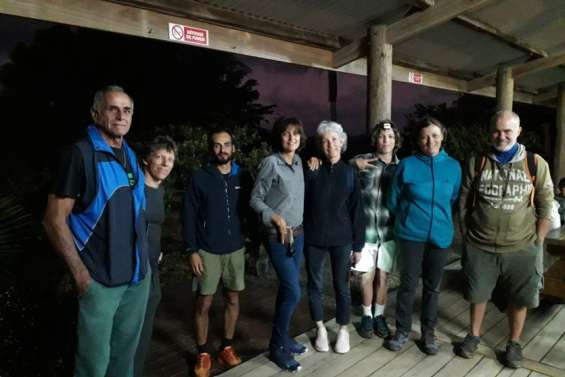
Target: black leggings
<point>427,260</point>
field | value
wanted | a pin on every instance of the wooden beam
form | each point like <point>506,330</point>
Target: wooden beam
<point>121,19</point>
<point>126,19</point>
<point>433,16</point>
<point>409,26</point>
<point>481,82</point>
<point>538,65</point>
<point>379,77</point>
<point>545,96</point>
<point>224,17</point>
<point>559,150</point>
<point>510,40</point>
<point>504,89</point>
<point>350,52</point>
<point>518,70</point>
<point>484,27</point>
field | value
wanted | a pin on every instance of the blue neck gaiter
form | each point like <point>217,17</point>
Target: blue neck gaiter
<point>505,156</point>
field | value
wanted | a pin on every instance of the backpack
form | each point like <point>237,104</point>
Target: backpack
<point>530,167</point>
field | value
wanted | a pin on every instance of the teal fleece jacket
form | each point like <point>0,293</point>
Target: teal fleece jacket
<point>424,190</point>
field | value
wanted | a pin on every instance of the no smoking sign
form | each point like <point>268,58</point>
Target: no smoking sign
<point>188,34</point>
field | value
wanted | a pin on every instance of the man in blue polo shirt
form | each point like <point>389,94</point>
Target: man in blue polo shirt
<point>95,220</point>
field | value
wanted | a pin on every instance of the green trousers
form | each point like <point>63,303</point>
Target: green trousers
<point>147,330</point>
<point>109,324</point>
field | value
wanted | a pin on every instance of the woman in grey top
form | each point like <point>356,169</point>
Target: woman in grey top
<point>278,198</point>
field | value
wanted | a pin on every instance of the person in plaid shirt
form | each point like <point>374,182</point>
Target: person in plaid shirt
<point>378,255</point>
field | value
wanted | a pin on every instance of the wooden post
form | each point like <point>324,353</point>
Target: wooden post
<point>504,88</point>
<point>559,151</point>
<point>379,76</point>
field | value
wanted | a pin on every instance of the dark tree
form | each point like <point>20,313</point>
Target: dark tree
<point>467,120</point>
<point>47,90</point>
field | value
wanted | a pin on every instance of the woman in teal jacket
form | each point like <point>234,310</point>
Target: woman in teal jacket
<point>424,189</point>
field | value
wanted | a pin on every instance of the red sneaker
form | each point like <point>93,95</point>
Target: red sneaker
<point>228,357</point>
<point>203,365</point>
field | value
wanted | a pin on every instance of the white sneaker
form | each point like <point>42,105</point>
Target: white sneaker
<point>322,344</point>
<point>342,343</point>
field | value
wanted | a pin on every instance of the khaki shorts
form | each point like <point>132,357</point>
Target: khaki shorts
<point>517,274</point>
<point>230,268</point>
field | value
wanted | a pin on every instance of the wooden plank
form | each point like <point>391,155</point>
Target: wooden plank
<point>481,26</point>
<point>429,366</point>
<point>556,356</point>
<point>225,17</point>
<point>355,358</point>
<point>504,89</point>
<point>559,158</point>
<point>507,372</point>
<point>433,16</point>
<point>458,366</point>
<point>518,70</point>
<point>537,65</point>
<point>546,95</point>
<point>399,364</point>
<point>379,83</point>
<point>315,360</point>
<point>117,18</point>
<point>544,341</point>
<point>350,52</point>
<point>408,27</point>
<point>485,368</point>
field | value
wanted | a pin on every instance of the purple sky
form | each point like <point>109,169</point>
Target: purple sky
<point>303,92</point>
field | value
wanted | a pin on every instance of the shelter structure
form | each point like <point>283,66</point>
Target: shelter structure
<point>513,50</point>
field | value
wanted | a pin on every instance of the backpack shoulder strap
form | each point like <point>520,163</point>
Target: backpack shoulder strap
<point>480,162</point>
<point>531,168</point>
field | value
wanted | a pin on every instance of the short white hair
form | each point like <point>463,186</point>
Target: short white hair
<point>514,118</point>
<point>331,126</point>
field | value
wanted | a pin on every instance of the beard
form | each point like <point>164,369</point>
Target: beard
<point>222,159</point>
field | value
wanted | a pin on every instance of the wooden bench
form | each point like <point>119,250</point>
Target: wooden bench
<point>554,264</point>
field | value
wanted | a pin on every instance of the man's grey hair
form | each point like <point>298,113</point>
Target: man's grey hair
<point>100,93</point>
<point>331,126</point>
<point>505,113</point>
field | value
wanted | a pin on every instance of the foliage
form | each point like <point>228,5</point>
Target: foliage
<point>193,153</point>
<point>29,316</point>
<point>15,226</point>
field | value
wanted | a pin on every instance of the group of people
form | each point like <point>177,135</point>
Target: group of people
<point>105,211</point>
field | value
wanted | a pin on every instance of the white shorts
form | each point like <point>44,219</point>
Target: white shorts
<point>381,256</point>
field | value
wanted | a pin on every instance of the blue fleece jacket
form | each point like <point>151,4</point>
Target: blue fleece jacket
<point>424,190</point>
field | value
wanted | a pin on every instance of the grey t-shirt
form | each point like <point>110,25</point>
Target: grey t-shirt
<point>279,188</point>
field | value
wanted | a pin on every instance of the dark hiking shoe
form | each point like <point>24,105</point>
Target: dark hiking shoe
<point>469,346</point>
<point>429,343</point>
<point>284,360</point>
<point>366,327</point>
<point>397,341</point>
<point>380,326</point>
<point>513,355</point>
<point>295,347</point>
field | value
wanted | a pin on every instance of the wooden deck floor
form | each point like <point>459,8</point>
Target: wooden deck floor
<point>543,343</point>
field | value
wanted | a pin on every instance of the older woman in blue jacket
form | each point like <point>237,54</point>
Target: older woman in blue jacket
<point>424,189</point>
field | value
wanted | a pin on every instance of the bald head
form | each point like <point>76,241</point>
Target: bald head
<point>504,130</point>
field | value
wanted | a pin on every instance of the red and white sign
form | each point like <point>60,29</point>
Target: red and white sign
<point>415,78</point>
<point>188,34</point>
